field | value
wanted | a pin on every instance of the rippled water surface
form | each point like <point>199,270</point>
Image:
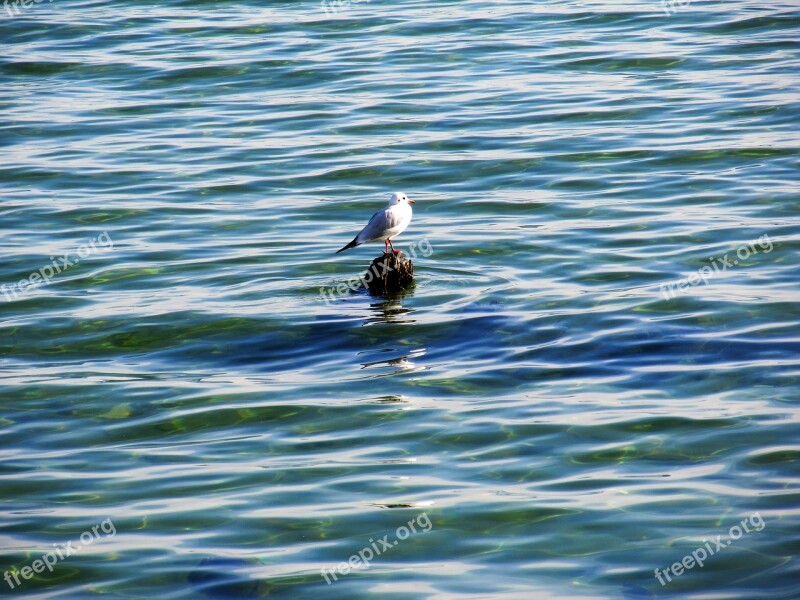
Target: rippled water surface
<point>595,374</point>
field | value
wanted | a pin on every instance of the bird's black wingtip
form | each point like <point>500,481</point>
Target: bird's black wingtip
<point>350,245</point>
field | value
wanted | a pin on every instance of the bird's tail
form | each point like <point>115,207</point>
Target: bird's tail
<point>352,244</point>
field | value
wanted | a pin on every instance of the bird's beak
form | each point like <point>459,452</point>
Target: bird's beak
<point>410,201</point>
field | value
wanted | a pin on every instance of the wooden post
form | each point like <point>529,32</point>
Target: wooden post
<point>389,273</point>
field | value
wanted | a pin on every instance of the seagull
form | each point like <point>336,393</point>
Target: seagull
<point>386,224</point>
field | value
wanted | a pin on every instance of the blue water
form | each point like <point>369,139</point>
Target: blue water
<point>595,374</point>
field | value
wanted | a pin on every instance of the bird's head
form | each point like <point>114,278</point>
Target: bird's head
<point>400,198</point>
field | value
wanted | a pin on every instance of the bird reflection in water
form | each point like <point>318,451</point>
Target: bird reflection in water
<point>391,311</point>
<point>401,363</point>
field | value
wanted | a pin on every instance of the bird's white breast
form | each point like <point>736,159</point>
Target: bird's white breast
<point>386,224</point>
<point>401,218</point>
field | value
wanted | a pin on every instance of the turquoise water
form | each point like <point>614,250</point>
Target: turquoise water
<point>581,388</point>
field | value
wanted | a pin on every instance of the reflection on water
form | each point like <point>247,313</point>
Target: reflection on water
<point>399,357</point>
<point>390,310</point>
<point>567,428</point>
<point>401,363</point>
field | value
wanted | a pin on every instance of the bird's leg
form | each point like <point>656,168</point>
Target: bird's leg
<point>386,246</point>
<point>393,250</point>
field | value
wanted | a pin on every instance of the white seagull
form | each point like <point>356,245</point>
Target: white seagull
<point>386,224</point>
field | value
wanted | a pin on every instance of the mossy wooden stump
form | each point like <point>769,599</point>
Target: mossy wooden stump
<point>389,274</point>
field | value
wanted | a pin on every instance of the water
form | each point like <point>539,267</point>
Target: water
<point>564,423</point>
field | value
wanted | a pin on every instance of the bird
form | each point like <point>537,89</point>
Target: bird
<point>385,224</point>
